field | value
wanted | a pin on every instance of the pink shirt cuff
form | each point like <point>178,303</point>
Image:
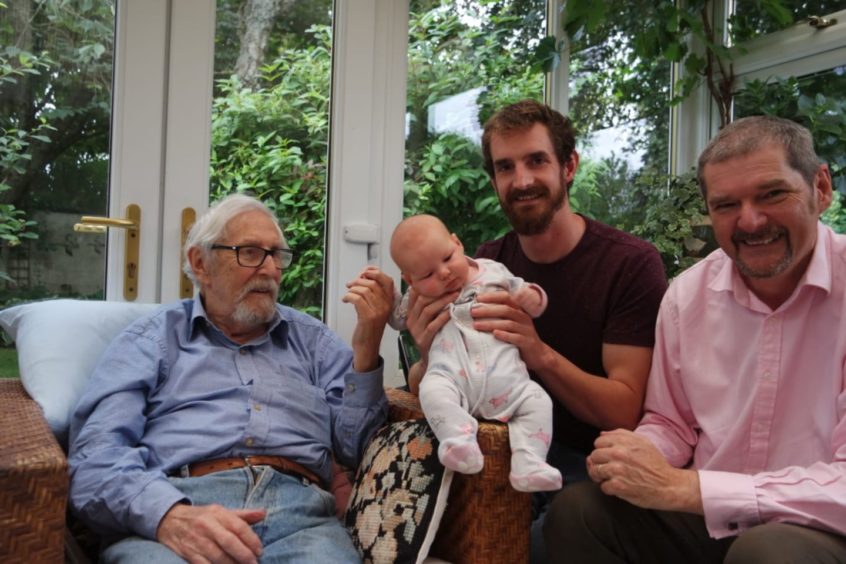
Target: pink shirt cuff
<point>729,501</point>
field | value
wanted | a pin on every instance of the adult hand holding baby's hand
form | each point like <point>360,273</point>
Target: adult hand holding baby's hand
<point>372,295</point>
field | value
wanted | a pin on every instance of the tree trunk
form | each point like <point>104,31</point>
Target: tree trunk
<point>256,19</point>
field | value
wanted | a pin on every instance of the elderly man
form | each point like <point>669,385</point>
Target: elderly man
<point>592,347</point>
<point>208,429</point>
<point>741,453</point>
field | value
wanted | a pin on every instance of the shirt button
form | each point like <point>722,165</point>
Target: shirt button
<point>249,441</point>
<point>242,351</point>
<point>257,407</point>
<point>768,374</point>
<point>350,387</point>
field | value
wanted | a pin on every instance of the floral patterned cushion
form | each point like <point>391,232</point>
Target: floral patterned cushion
<point>399,494</point>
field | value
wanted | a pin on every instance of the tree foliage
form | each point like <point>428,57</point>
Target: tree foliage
<point>483,46</point>
<point>667,30</point>
<point>270,134</point>
<point>271,141</point>
<point>57,99</point>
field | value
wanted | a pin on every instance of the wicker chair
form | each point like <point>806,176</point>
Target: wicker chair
<point>33,481</point>
<point>486,520</point>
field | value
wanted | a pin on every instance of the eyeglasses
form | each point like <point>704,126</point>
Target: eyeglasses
<point>250,256</point>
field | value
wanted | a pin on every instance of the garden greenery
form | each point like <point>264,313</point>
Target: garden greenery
<point>272,140</point>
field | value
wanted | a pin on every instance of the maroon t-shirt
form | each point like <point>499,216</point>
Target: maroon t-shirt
<point>606,290</point>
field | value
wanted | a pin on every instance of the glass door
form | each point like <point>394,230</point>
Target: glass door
<point>270,124</point>
<point>55,110</point>
<point>104,109</point>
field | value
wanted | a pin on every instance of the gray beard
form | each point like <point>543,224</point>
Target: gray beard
<point>774,270</point>
<point>245,314</point>
<point>259,314</point>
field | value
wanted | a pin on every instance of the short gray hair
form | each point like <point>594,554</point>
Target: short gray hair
<point>745,135</point>
<point>211,227</point>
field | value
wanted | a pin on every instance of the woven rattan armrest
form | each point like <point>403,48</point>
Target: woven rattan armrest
<point>33,481</point>
<point>486,520</point>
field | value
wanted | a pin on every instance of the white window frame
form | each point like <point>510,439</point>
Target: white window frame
<point>796,51</point>
<point>366,154</point>
<point>558,81</point>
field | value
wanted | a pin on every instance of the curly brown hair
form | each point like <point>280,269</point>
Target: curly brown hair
<point>521,116</point>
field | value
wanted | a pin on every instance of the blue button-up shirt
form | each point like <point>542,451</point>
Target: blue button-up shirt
<point>173,389</point>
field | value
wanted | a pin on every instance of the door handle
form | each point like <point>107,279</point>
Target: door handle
<point>186,287</point>
<point>132,224</point>
<point>364,234</point>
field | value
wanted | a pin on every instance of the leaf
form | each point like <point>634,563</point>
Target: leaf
<point>596,15</point>
<point>673,52</point>
<point>546,56</point>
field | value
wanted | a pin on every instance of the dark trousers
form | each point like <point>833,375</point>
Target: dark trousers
<point>585,525</point>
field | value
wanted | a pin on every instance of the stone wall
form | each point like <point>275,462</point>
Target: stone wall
<point>61,261</point>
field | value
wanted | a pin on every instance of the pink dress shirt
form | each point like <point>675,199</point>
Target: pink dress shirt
<point>755,399</point>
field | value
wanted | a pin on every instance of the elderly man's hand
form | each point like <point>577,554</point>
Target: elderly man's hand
<point>628,465</point>
<point>211,533</point>
<point>372,295</point>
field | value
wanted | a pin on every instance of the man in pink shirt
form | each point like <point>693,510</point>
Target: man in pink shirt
<point>741,452</point>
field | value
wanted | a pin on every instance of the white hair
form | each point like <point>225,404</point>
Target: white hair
<point>211,227</point>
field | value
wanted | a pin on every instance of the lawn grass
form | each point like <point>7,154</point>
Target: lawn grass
<point>8,363</point>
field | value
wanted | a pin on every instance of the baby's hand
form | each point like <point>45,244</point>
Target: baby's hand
<point>531,299</point>
<point>371,272</point>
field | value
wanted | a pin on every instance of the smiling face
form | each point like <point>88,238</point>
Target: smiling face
<point>239,299</point>
<point>431,259</point>
<point>764,215</point>
<point>530,182</point>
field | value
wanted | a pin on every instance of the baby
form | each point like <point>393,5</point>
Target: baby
<point>471,373</point>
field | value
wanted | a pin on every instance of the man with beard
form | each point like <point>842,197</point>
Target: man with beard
<point>741,453</point>
<point>208,429</point>
<point>592,347</point>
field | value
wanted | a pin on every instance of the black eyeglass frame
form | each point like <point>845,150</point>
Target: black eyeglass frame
<point>287,255</point>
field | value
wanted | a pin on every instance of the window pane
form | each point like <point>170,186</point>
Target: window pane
<point>55,96</point>
<point>753,18</point>
<point>817,102</point>
<point>619,103</point>
<point>270,124</point>
<point>465,60</point>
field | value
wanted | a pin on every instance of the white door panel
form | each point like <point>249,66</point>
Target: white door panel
<point>160,134</point>
<point>366,152</point>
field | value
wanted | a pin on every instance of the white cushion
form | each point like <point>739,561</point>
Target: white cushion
<point>59,342</point>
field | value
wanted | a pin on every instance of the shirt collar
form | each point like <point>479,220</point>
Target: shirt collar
<point>817,274</point>
<point>199,318</point>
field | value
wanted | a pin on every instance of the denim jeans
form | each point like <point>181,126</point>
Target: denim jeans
<point>571,464</point>
<point>300,525</point>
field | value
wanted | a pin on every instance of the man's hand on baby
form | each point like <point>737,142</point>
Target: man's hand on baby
<point>498,313</point>
<point>426,316</point>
